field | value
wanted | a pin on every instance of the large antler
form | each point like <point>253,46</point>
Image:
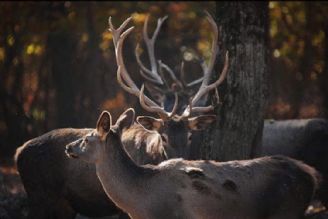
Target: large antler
<point>122,74</point>
<point>150,74</point>
<point>155,74</point>
<point>205,87</point>
<point>194,82</point>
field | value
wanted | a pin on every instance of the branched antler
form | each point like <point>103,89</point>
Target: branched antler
<point>124,78</point>
<point>150,74</point>
<point>205,87</point>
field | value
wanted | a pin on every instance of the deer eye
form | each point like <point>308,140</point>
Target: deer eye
<point>86,140</point>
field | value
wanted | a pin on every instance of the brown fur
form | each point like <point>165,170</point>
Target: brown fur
<point>274,187</point>
<point>58,187</point>
<point>301,139</point>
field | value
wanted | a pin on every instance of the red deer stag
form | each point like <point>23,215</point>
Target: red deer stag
<point>305,139</point>
<point>265,188</point>
<point>176,131</point>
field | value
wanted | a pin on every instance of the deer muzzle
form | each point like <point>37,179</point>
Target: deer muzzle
<point>71,149</point>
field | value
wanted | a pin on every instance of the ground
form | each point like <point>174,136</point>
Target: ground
<point>13,201</point>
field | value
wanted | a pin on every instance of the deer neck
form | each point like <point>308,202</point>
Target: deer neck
<point>122,180</point>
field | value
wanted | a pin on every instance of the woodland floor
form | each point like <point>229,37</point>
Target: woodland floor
<point>13,201</point>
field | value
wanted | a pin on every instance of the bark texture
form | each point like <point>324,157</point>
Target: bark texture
<point>238,130</point>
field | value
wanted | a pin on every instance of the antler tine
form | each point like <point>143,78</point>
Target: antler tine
<point>157,109</point>
<point>205,88</point>
<point>175,106</point>
<point>122,75</point>
<point>119,59</point>
<point>150,44</point>
<point>214,48</point>
<point>197,81</point>
<point>194,82</point>
<point>149,76</point>
<point>152,109</point>
<point>182,74</point>
<point>171,73</point>
<point>168,69</point>
<point>162,75</point>
<point>117,32</point>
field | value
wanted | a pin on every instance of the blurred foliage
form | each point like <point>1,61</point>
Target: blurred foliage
<point>58,69</point>
<point>297,69</point>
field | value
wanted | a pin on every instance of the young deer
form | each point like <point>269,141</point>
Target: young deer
<point>265,188</point>
<point>175,130</point>
<point>58,187</point>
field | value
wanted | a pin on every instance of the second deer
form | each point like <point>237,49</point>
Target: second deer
<point>265,188</point>
<point>176,130</point>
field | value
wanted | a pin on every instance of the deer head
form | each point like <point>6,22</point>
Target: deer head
<point>90,148</point>
<point>176,130</point>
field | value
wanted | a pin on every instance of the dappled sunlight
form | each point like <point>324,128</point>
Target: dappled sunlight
<point>297,40</point>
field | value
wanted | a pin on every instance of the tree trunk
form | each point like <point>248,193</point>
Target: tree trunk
<point>238,131</point>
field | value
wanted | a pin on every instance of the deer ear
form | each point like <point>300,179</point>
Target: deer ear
<point>104,123</point>
<point>150,123</point>
<point>201,122</point>
<point>126,119</point>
